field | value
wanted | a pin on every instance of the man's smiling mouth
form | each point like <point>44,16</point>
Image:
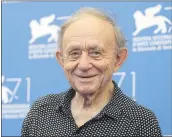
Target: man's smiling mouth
<point>88,78</point>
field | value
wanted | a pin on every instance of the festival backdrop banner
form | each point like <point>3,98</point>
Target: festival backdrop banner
<point>30,70</point>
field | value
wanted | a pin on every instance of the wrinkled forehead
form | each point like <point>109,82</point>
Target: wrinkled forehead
<point>84,43</point>
<point>88,30</point>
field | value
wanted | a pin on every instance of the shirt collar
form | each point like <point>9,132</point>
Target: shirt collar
<point>112,109</point>
<point>65,102</point>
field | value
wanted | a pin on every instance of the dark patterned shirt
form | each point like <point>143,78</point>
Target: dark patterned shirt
<point>51,116</point>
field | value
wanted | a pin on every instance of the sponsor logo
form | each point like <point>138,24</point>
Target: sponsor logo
<point>15,102</point>
<point>45,27</point>
<point>161,38</point>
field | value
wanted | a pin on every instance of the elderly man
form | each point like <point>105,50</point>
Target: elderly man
<point>92,48</point>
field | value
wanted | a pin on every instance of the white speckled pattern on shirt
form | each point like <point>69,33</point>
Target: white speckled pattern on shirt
<point>51,116</point>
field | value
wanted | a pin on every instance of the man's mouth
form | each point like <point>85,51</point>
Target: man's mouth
<point>86,78</point>
<point>90,76</point>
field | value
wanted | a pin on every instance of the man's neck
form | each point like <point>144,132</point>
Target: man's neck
<point>95,101</point>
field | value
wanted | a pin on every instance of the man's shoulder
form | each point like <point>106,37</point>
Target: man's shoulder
<point>135,111</point>
<point>51,99</point>
<point>142,117</point>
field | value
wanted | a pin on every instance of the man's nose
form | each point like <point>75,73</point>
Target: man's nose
<point>84,62</point>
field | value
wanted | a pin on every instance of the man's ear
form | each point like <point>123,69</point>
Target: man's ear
<point>59,58</point>
<point>120,58</point>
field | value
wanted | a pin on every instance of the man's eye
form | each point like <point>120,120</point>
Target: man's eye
<point>74,54</point>
<point>95,53</point>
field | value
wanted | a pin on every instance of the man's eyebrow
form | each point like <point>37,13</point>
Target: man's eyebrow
<point>94,47</point>
<point>73,47</point>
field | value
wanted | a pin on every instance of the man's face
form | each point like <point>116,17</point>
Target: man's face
<point>88,53</point>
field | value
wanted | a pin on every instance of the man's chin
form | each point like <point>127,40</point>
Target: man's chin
<point>85,90</point>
